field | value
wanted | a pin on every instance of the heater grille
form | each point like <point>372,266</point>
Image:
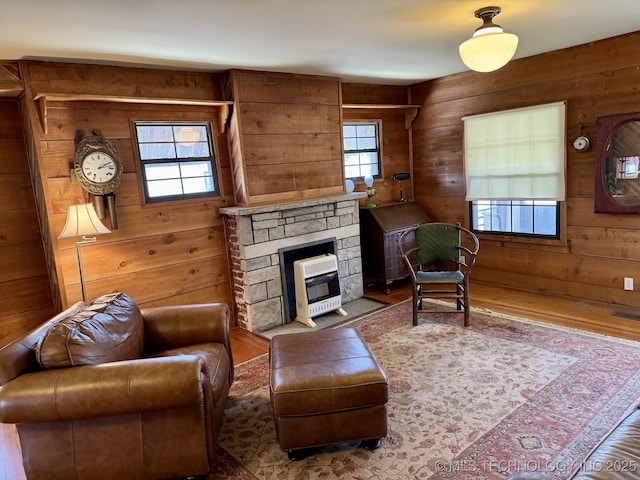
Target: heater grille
<point>319,265</point>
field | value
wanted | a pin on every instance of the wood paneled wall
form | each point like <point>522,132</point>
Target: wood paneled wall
<point>25,296</point>
<point>598,250</point>
<point>286,136</point>
<point>162,253</point>
<point>383,103</point>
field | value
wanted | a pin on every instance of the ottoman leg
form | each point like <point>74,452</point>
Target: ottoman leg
<point>370,444</point>
<point>300,454</point>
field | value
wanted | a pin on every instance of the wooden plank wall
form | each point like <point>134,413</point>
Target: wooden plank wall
<point>395,136</point>
<point>162,254</point>
<point>286,136</point>
<point>599,250</point>
<point>25,296</point>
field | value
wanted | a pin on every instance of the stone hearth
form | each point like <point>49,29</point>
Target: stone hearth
<point>255,236</point>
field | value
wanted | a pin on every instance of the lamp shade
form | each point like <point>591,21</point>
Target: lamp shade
<point>368,181</point>
<point>490,48</point>
<point>82,220</point>
<point>488,52</point>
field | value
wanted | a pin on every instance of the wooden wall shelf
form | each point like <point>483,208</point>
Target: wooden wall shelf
<point>43,99</point>
<point>409,116</point>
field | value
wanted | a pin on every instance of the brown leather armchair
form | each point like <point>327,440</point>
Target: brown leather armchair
<point>153,417</point>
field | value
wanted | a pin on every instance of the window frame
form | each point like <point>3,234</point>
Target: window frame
<point>211,159</point>
<point>511,233</point>
<point>377,150</point>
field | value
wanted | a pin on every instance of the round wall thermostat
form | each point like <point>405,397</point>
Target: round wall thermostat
<point>581,143</point>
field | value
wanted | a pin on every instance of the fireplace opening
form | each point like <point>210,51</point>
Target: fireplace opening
<point>288,256</point>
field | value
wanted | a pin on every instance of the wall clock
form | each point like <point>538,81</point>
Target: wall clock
<point>97,165</point>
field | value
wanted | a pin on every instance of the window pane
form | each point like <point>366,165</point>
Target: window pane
<point>196,169</point>
<point>200,149</point>
<point>352,171</point>
<point>350,144</point>
<point>197,185</point>
<point>368,170</point>
<point>155,133</point>
<point>349,130</point>
<point>522,218</point>
<point>163,188</point>
<point>366,130</point>
<point>351,159</point>
<point>189,134</point>
<point>155,151</point>
<point>158,171</point>
<point>366,143</point>
<point>544,219</point>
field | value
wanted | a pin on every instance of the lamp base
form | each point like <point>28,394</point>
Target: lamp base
<point>370,193</point>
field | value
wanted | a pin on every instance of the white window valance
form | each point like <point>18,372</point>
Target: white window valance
<point>516,154</point>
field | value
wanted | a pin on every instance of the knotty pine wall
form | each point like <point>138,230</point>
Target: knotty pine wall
<point>25,296</point>
<point>163,253</point>
<point>598,250</point>
<point>395,133</point>
<point>285,136</point>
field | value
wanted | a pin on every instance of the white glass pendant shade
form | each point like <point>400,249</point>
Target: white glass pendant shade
<point>490,48</point>
<point>488,52</point>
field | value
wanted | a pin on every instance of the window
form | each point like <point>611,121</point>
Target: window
<point>361,149</point>
<point>516,217</point>
<point>177,160</point>
<point>515,170</point>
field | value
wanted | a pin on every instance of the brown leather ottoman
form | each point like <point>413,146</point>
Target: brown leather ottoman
<point>326,387</point>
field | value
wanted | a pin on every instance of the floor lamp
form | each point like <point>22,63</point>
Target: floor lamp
<point>82,221</point>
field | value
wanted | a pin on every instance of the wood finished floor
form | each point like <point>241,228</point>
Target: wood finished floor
<point>585,315</point>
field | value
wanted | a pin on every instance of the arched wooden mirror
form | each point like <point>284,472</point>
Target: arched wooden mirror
<point>617,185</point>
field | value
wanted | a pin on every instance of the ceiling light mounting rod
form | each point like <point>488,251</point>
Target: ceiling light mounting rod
<point>486,14</point>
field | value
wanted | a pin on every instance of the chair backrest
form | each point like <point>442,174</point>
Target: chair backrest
<point>437,242</point>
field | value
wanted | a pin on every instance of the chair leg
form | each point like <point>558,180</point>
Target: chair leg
<point>466,308</point>
<point>416,300</point>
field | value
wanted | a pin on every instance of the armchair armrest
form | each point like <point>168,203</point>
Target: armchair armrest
<point>183,325</point>
<point>117,388</point>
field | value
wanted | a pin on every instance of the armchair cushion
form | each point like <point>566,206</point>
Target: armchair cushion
<point>109,329</point>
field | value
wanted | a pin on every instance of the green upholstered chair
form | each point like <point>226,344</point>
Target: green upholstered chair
<point>440,262</point>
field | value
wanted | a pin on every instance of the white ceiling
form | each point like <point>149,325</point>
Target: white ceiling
<point>374,41</point>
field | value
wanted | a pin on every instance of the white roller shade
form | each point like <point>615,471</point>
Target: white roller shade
<point>516,154</point>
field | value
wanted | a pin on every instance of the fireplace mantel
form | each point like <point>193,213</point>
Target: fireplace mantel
<point>255,236</point>
<point>276,207</point>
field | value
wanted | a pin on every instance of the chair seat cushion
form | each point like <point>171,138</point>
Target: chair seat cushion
<point>440,277</point>
<point>109,329</point>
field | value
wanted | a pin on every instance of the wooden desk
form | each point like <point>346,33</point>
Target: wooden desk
<point>380,229</point>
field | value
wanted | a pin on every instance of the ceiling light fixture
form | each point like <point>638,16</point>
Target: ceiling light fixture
<point>490,48</point>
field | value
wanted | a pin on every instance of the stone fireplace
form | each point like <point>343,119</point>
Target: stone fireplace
<point>257,236</point>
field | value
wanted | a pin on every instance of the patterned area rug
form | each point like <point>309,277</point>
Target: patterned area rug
<point>501,395</point>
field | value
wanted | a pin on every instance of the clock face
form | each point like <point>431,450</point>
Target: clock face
<point>99,167</point>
